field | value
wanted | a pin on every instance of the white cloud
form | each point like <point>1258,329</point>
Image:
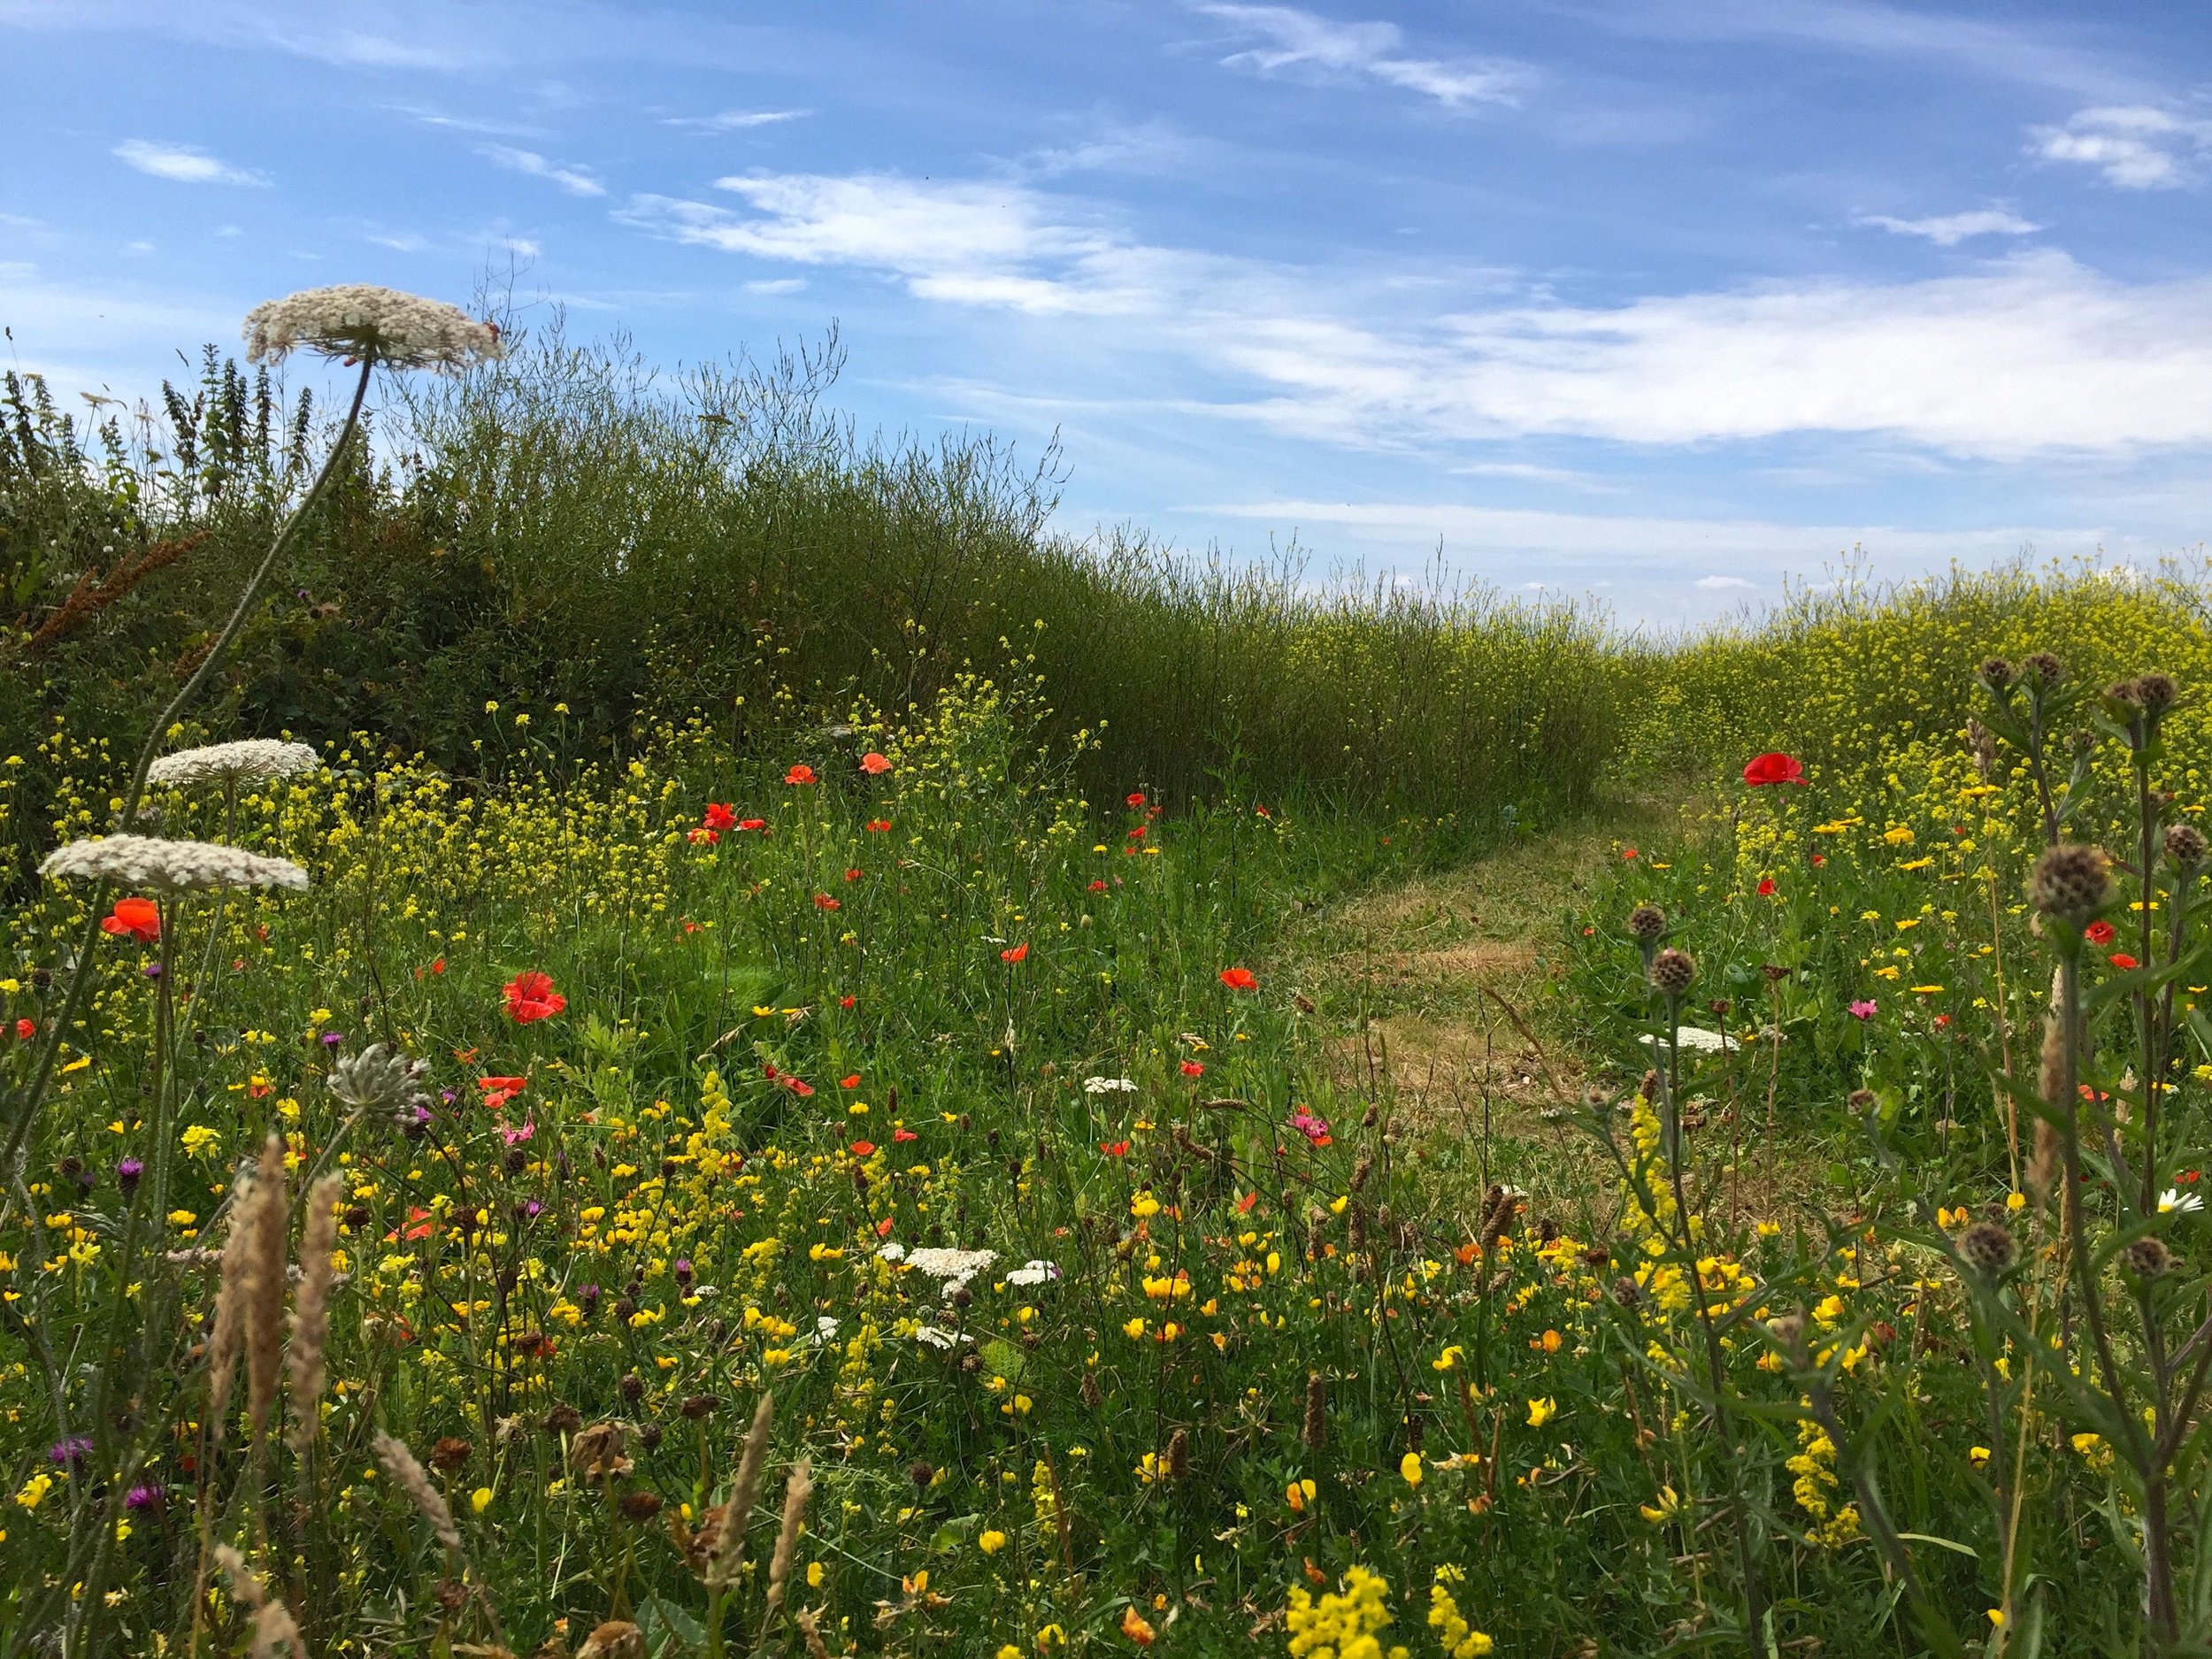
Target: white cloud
<point>2028,354</point>
<point>1290,38</point>
<point>776,285</point>
<point>1648,541</point>
<point>1714,584</point>
<point>1949,229</point>
<point>575,182</point>
<point>734,120</point>
<point>2135,146</point>
<point>181,164</point>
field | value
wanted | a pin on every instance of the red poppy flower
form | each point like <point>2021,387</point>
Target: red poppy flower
<point>26,1029</point>
<point>720,817</point>
<point>1245,1204</point>
<point>1136,797</point>
<point>800,773</point>
<point>137,918</point>
<point>1018,953</point>
<point>1137,834</point>
<point>752,823</point>
<point>823,902</point>
<point>1193,1068</point>
<point>884,1226</point>
<point>1628,852</point>
<point>2120,960</point>
<point>878,825</point>
<point>874,764</point>
<point>1098,886</point>
<point>799,1087</point>
<point>1238,979</point>
<point>1773,767</point>
<point>863,1148</point>
<point>703,836</point>
<point>1766,887</point>
<point>1819,859</point>
<point>531,996</point>
<point>852,875</point>
<point>1114,1148</point>
<point>905,1134</point>
<point>850,1082</point>
<point>499,1090</point>
<point>845,1001</point>
<point>2098,933</point>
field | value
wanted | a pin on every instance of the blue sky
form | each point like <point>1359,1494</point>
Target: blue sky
<point>1656,300</point>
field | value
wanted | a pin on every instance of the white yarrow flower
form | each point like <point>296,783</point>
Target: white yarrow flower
<point>359,319</point>
<point>1109,1086</point>
<point>1033,1274</point>
<point>955,1266</point>
<point>2173,1200</point>
<point>251,760</point>
<point>936,1338</point>
<point>170,866</point>
<point>1696,1040</point>
<point>892,1252</point>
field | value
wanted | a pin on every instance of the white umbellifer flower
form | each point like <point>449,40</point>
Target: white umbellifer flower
<point>1033,1274</point>
<point>935,1338</point>
<point>1696,1039</point>
<point>957,1266</point>
<point>170,866</point>
<point>1109,1086</point>
<point>892,1252</point>
<point>357,320</point>
<point>251,760</point>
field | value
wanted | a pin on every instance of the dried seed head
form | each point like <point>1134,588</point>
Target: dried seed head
<point>1314,1432</point>
<point>2071,882</point>
<point>1997,675</point>
<point>796,1490</point>
<point>383,1080</point>
<point>2149,1257</point>
<point>1788,1334</point>
<point>1672,971</point>
<point>1981,744</point>
<point>1859,1100</point>
<point>1988,1248</point>
<point>449,1454</point>
<point>2042,669</point>
<point>1627,1292</point>
<point>1646,921</point>
<point>311,1309</point>
<point>2156,692</point>
<point>564,1419</point>
<point>2186,846</point>
<point>639,1505</point>
<point>1177,1458</point>
<point>617,1639</point>
<point>409,1476</point>
<point>265,1287</point>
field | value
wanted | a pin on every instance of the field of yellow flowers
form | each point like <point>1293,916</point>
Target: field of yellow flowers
<point>818,1182</point>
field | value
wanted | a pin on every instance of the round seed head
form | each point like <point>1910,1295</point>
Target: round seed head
<point>1997,675</point>
<point>2156,692</point>
<point>1646,921</point>
<point>2043,669</point>
<point>2149,1257</point>
<point>1987,1248</point>
<point>2186,846</point>
<point>1672,971</point>
<point>2072,882</point>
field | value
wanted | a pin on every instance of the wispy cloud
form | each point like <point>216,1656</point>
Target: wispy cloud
<point>1715,584</point>
<point>182,164</point>
<point>2031,353</point>
<point>1288,38</point>
<point>1949,229</point>
<point>734,120</point>
<point>2135,146</point>
<point>570,178</point>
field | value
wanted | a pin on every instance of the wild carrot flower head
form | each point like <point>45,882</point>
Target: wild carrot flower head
<point>355,320</point>
<point>251,760</point>
<point>383,1080</point>
<point>170,866</point>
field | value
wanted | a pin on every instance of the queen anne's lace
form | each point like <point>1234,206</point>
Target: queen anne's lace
<point>356,320</point>
<point>170,866</point>
<point>251,760</point>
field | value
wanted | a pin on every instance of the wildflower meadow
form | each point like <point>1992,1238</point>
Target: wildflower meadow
<point>833,1137</point>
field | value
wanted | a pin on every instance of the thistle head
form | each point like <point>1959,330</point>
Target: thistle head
<point>1672,971</point>
<point>1987,1248</point>
<point>2186,846</point>
<point>2071,882</point>
<point>1646,922</point>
